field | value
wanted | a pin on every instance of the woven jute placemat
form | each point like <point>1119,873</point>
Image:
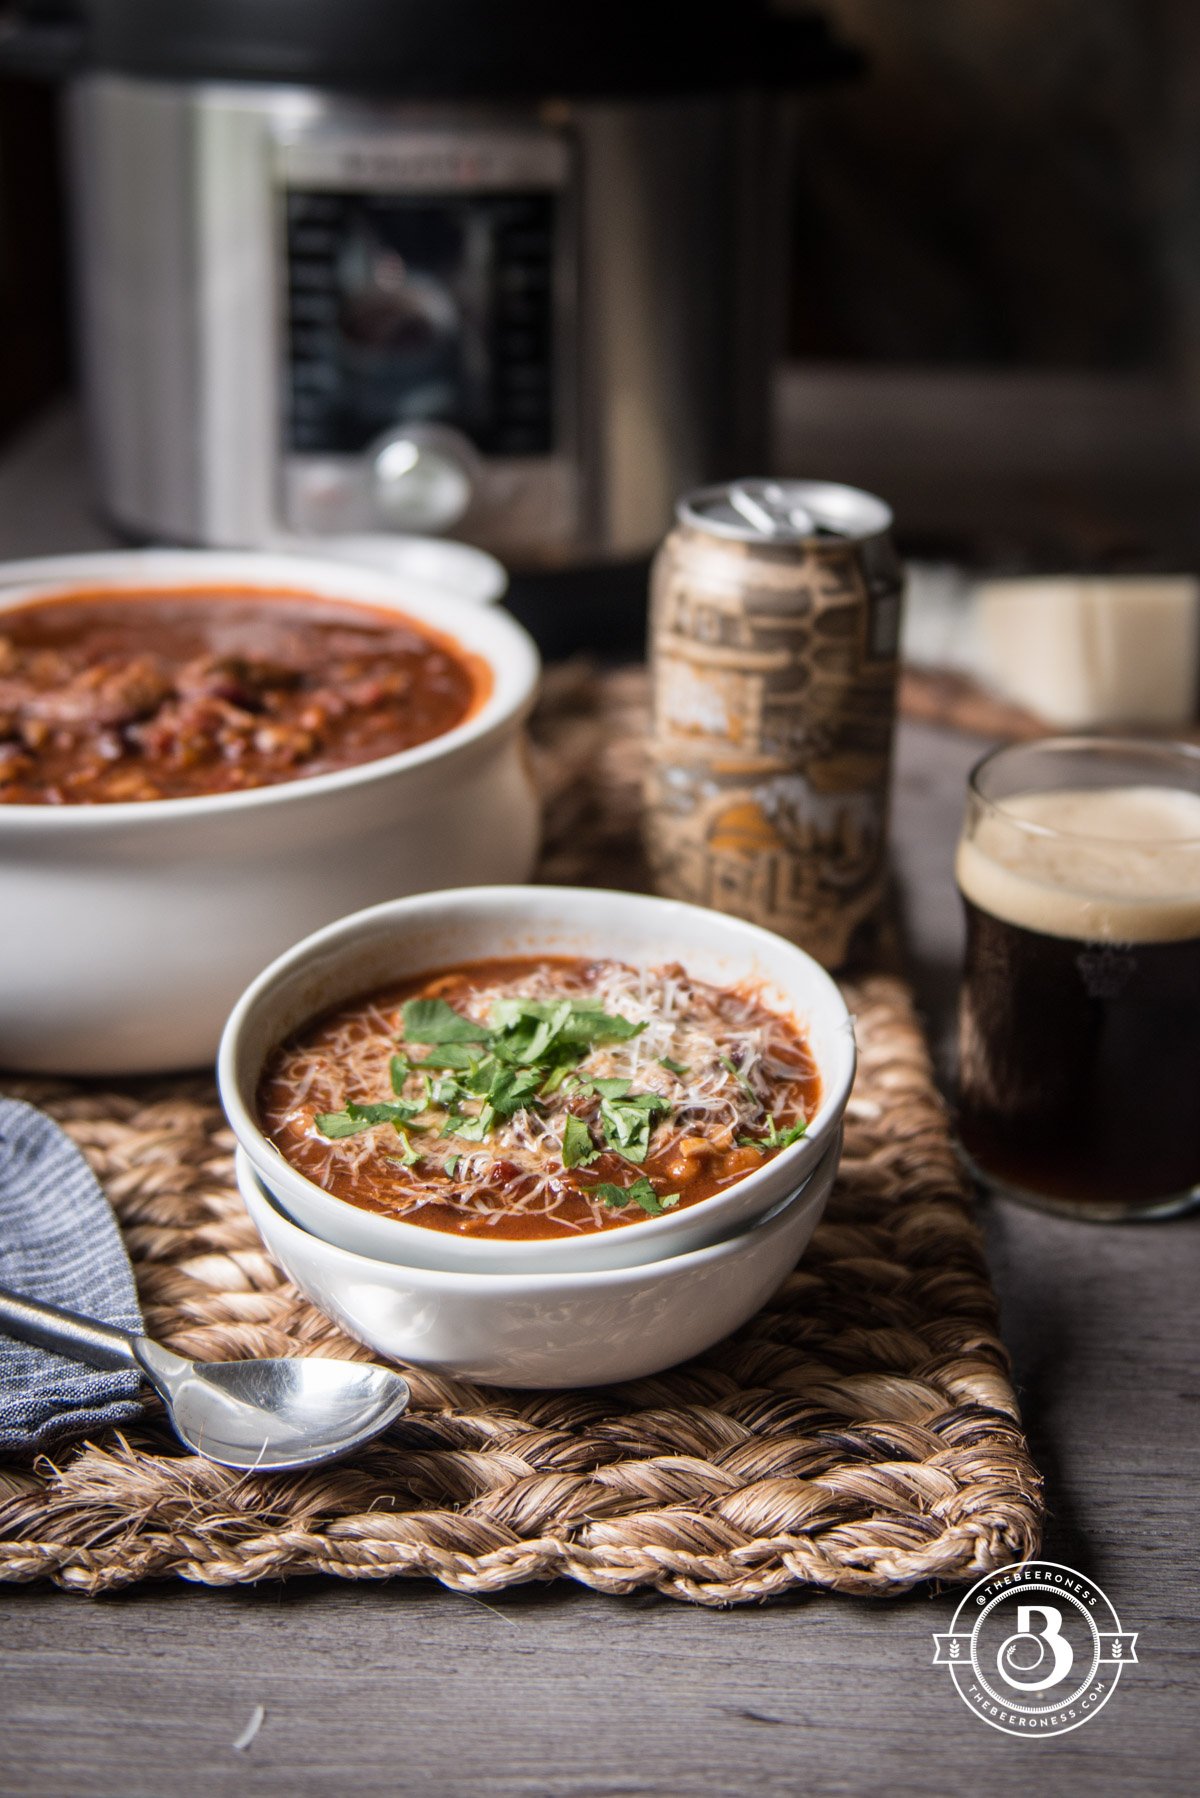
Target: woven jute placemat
<point>859,1434</point>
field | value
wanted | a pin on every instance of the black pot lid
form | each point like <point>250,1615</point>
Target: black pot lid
<point>437,48</point>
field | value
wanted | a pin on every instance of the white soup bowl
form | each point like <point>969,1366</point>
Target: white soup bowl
<point>564,1329</point>
<point>413,936</point>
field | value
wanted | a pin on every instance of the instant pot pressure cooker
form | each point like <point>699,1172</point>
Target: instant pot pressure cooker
<point>507,270</point>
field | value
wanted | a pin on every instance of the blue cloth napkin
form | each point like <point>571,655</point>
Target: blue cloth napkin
<point>58,1242</point>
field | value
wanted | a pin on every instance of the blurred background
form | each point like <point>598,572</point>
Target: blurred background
<point>995,309</point>
<point>972,286</point>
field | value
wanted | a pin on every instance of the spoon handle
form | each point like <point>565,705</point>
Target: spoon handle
<point>66,1333</point>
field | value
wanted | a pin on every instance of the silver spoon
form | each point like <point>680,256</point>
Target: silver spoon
<point>246,1414</point>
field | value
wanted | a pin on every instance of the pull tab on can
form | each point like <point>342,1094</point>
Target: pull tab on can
<point>768,511</point>
<point>769,508</point>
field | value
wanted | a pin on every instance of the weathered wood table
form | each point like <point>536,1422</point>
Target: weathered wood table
<point>553,1691</point>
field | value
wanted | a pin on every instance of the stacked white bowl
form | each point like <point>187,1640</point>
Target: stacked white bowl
<point>600,1307</point>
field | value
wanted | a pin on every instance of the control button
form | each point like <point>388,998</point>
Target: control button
<point>419,486</point>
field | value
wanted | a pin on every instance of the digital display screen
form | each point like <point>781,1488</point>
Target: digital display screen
<point>420,309</point>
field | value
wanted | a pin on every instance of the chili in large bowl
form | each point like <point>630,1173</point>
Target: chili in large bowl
<point>109,696</point>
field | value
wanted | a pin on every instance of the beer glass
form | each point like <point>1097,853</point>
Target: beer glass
<point>1079,1028</point>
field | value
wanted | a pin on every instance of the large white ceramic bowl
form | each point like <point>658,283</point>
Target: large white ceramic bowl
<point>389,942</point>
<point>130,929</point>
<point>565,1329</point>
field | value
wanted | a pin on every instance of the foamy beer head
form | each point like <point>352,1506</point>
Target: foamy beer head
<point>1107,864</point>
<point>1079,1042</point>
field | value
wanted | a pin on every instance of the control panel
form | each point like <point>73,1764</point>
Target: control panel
<point>428,355</point>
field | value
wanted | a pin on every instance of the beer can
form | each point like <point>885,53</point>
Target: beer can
<point>774,620</point>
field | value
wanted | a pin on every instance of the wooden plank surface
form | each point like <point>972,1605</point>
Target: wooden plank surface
<point>556,1693</point>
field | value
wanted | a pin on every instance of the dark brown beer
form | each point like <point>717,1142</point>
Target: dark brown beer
<point>1080,1024</point>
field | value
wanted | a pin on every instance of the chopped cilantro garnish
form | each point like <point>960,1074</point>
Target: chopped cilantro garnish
<point>673,1067</point>
<point>473,1129</point>
<point>775,1138</point>
<point>450,1166</point>
<point>512,1089</point>
<point>588,1026</point>
<point>386,1113</point>
<point>526,1052</point>
<point>457,1057</point>
<point>578,1149</point>
<point>627,1123</point>
<point>481,1076</point>
<point>640,1193</point>
<point>433,1021</point>
<point>738,1075</point>
<point>615,1196</point>
<point>544,1030</point>
<point>525,1030</point>
<point>355,1117</point>
<point>336,1124</point>
<point>408,1155</point>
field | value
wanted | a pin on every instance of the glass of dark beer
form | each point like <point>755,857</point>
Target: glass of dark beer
<point>1079,1038</point>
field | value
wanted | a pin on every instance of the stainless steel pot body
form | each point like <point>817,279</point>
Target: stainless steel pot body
<point>601,325</point>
